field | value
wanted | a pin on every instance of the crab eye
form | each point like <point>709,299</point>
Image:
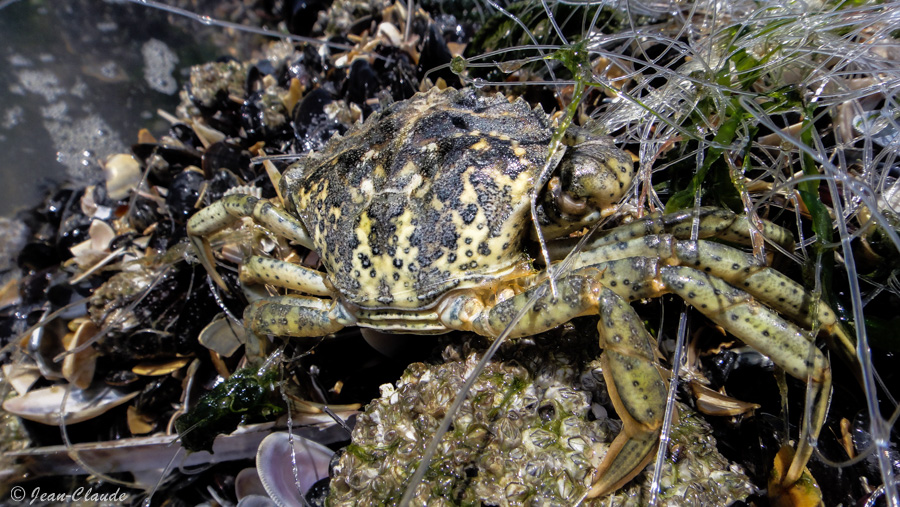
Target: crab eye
<point>596,172</point>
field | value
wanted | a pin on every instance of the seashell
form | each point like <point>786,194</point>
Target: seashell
<point>222,336</point>
<point>21,376</point>
<point>390,32</point>
<point>256,501</point>
<point>123,174</point>
<point>78,367</point>
<point>247,483</point>
<point>157,369</point>
<point>138,424</point>
<point>712,402</point>
<point>43,405</point>
<point>207,135</point>
<point>274,459</point>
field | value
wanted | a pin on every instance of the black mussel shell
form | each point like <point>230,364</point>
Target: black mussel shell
<point>143,214</point>
<point>224,155</point>
<point>176,159</point>
<point>37,256</point>
<point>398,72</point>
<point>256,126</point>
<point>301,15</point>
<point>186,135</point>
<point>318,493</point>
<point>363,82</point>
<point>121,378</point>
<point>183,195</point>
<point>312,126</point>
<point>434,54</point>
<point>221,181</point>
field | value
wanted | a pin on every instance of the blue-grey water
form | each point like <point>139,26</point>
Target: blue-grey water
<point>79,79</point>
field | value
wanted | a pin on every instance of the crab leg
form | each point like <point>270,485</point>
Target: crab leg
<point>636,387</point>
<point>295,316</point>
<point>711,223</point>
<point>258,269</point>
<point>229,209</point>
<point>789,346</point>
<point>735,267</point>
<point>764,330</point>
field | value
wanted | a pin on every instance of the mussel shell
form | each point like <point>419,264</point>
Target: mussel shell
<point>42,405</point>
<point>186,135</point>
<point>301,15</point>
<point>434,54</point>
<point>312,126</point>
<point>73,228</point>
<point>274,463</point>
<point>363,82</point>
<point>318,493</point>
<point>55,205</point>
<point>120,378</point>
<point>255,125</point>
<point>224,155</point>
<point>221,181</point>
<point>307,66</point>
<point>177,159</point>
<point>37,257</point>
<point>183,195</point>
<point>398,72</point>
<point>144,213</point>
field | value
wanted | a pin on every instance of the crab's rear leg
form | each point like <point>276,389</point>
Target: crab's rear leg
<point>231,208</point>
<point>735,267</point>
<point>636,387</point>
<point>789,346</point>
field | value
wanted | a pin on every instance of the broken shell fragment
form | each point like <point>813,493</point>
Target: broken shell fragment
<point>275,462</point>
<point>222,336</point>
<point>21,376</point>
<point>43,405</point>
<point>711,402</point>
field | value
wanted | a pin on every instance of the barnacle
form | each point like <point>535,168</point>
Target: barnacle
<point>525,434</point>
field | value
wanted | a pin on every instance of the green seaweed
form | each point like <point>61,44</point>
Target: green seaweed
<point>247,396</point>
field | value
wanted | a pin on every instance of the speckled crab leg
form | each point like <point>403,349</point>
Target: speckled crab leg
<point>295,315</point>
<point>636,386</point>
<point>231,208</point>
<point>788,345</point>
<point>258,269</point>
<point>636,389</point>
<point>585,291</point>
<point>712,222</point>
<point>735,267</point>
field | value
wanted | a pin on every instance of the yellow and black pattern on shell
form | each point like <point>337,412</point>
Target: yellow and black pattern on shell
<point>428,195</point>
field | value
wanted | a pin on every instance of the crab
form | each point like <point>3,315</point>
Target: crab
<point>422,219</point>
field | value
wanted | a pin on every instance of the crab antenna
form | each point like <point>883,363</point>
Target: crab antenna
<point>551,273</point>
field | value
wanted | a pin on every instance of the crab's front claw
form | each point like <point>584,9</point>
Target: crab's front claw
<point>636,388</point>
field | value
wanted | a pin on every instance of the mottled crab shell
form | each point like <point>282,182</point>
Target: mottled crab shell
<point>429,195</point>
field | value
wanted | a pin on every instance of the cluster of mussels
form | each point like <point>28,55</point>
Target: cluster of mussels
<point>530,432</point>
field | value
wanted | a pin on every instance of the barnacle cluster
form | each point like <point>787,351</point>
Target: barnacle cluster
<point>526,434</point>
